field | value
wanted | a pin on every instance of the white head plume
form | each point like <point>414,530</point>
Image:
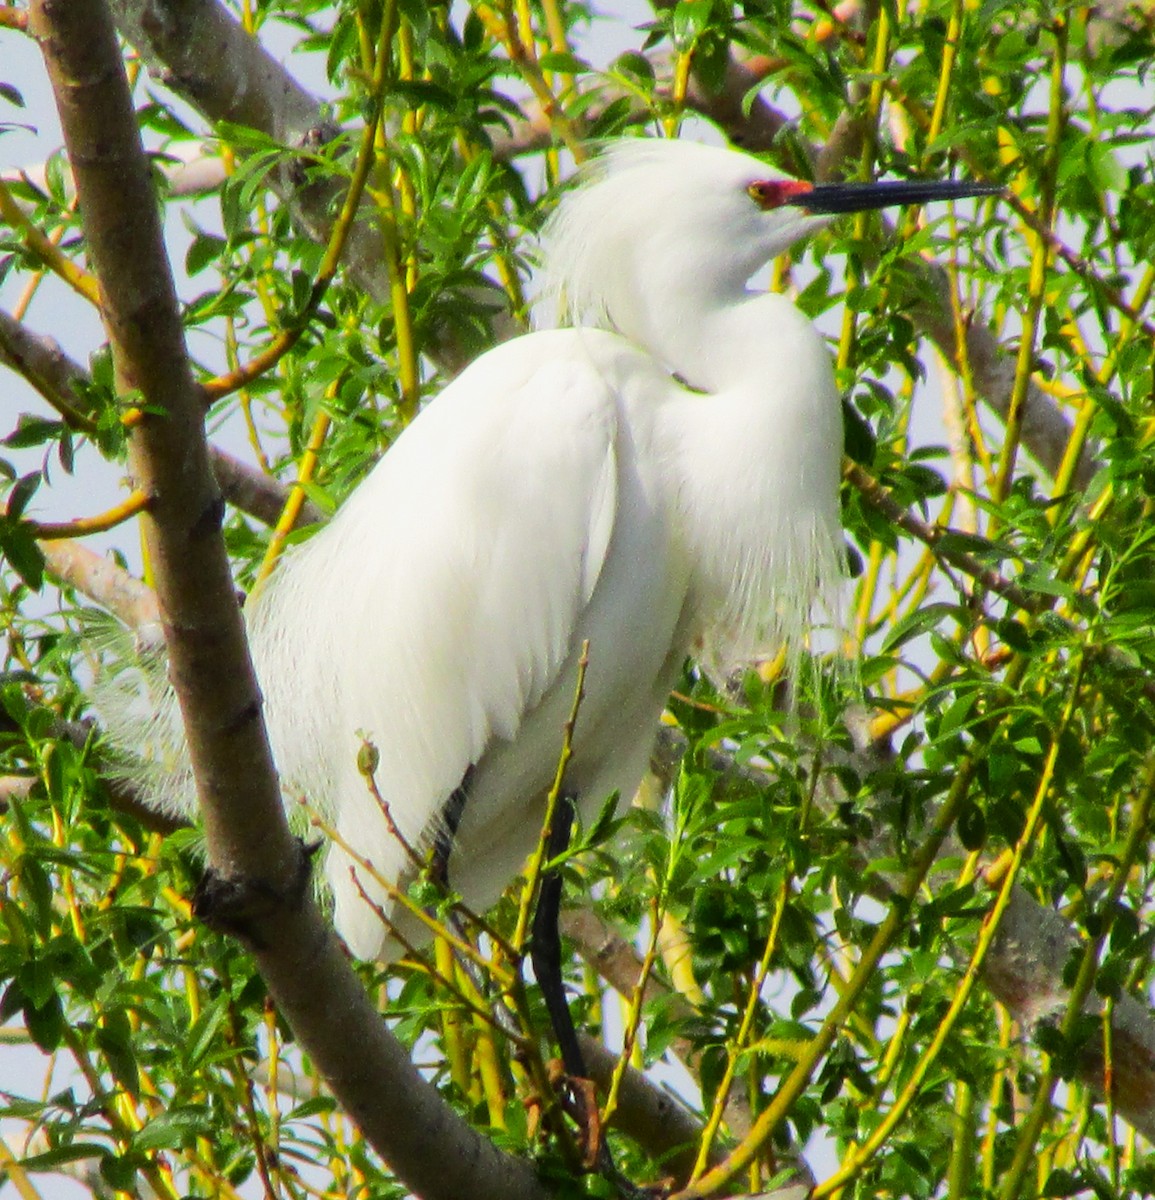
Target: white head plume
<point>651,214</point>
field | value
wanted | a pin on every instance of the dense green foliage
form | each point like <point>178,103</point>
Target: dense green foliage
<point>837,871</point>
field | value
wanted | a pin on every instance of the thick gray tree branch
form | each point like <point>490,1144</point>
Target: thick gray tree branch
<point>112,587</point>
<point>1025,970</point>
<point>202,53</point>
<point>250,847</point>
<point>14,788</point>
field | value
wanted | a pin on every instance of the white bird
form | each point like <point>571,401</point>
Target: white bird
<point>661,481</point>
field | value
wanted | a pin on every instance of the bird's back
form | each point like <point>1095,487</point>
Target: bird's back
<point>524,511</point>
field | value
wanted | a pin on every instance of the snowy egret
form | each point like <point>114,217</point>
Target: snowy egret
<point>660,481</point>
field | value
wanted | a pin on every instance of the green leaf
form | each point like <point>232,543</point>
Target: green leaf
<point>46,1024</point>
<point>930,616</point>
<point>119,1171</point>
<point>858,436</point>
<point>205,249</point>
<point>204,1031</point>
<point>33,431</point>
<point>972,827</point>
<point>37,893</point>
<point>22,492</point>
<point>61,1156</point>
<point>422,91</point>
<point>19,547</point>
<point>114,1038</point>
<point>603,827</point>
<point>1104,168</point>
<point>956,715</point>
<point>564,63</point>
<point>1061,1182</point>
<point>174,1128</point>
<point>636,68</point>
<point>316,1107</point>
<point>689,20</point>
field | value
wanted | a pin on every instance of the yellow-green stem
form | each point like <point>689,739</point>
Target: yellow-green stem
<point>292,509</point>
<point>734,1051</point>
<point>1032,1126</point>
<point>884,937</point>
<point>909,1093</point>
<point>46,250</point>
<point>1040,260</point>
<point>949,53</point>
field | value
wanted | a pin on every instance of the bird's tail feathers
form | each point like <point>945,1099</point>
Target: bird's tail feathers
<point>138,714</point>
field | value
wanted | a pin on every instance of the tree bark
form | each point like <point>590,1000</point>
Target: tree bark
<point>255,860</point>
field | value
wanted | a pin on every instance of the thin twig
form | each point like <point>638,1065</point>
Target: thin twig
<point>49,531</point>
<point>932,535</point>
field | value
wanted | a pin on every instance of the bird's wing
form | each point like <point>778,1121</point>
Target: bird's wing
<point>442,601</point>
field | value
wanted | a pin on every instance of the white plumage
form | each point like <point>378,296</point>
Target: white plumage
<point>661,481</point>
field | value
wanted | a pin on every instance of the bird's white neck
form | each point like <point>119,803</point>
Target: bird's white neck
<point>719,341</point>
<point>760,457</point>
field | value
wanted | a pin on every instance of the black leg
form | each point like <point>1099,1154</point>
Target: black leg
<point>545,950</point>
<point>451,813</point>
<point>545,947</point>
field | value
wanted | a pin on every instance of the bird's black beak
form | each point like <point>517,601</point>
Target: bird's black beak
<point>829,198</point>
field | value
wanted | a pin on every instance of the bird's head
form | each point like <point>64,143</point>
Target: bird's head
<point>655,219</point>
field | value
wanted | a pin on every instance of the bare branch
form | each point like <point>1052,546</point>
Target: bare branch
<point>200,51</point>
<point>1025,969</point>
<point>62,381</point>
<point>14,788</point>
<point>42,362</point>
<point>102,580</point>
<point>253,492</point>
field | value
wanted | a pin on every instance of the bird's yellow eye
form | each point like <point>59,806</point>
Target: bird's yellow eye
<point>769,194</point>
